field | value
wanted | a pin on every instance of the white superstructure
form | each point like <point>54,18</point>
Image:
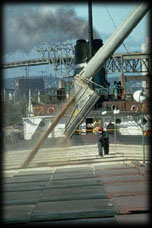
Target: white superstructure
<point>37,125</point>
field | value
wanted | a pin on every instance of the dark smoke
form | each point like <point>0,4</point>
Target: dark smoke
<point>32,27</point>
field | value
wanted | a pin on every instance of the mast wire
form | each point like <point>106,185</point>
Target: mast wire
<point>115,25</point>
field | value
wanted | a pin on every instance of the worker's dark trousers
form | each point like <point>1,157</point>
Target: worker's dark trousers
<point>100,145</point>
<point>106,146</point>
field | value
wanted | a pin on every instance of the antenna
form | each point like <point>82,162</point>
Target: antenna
<point>90,29</point>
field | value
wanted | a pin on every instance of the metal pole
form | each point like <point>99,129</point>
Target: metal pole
<point>143,137</point>
<point>115,129</point>
<point>90,29</point>
<point>114,41</point>
<point>103,121</point>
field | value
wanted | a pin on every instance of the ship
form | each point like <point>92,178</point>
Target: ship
<point>118,112</point>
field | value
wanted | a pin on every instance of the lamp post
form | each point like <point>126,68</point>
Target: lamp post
<point>114,127</point>
<point>115,112</point>
<point>143,137</point>
<point>140,97</point>
<point>103,113</point>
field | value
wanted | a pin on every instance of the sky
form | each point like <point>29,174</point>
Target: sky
<point>27,27</point>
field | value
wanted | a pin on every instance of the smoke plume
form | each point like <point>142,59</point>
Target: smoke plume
<point>29,27</point>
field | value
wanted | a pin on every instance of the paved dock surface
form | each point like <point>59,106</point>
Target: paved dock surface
<point>93,194</point>
<point>75,185</point>
<point>58,194</point>
<point>75,155</point>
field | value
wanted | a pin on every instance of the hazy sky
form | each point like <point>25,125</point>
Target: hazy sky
<point>27,26</point>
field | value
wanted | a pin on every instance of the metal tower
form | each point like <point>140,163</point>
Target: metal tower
<point>59,53</point>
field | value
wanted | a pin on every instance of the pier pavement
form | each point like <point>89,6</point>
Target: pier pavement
<point>74,185</point>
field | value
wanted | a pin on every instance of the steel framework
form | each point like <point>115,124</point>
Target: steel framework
<point>123,62</point>
<point>128,63</point>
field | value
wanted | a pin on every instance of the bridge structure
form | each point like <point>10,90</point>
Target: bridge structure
<point>37,62</point>
<point>131,66</point>
<point>137,62</point>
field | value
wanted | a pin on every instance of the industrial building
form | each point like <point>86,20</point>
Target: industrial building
<point>24,84</point>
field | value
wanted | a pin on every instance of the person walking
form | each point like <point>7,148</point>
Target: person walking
<point>103,141</point>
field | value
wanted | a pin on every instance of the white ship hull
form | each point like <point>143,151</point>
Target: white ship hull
<point>37,125</point>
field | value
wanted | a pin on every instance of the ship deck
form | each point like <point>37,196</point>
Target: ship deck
<point>72,185</point>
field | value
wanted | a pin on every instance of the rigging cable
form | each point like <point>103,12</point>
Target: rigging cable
<point>115,26</point>
<point>62,34</point>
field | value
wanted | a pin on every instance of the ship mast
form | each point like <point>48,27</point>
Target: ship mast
<point>90,29</point>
